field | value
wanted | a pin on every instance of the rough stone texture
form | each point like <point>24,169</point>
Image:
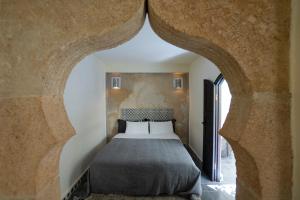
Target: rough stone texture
<point>249,42</point>
<point>150,90</point>
<point>295,90</point>
<point>40,42</point>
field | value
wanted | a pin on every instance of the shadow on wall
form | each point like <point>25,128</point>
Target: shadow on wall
<point>84,99</point>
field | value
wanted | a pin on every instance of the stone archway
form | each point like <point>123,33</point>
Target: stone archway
<point>235,36</point>
<point>42,42</point>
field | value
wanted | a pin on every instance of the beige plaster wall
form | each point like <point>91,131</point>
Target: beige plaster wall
<point>40,42</point>
<point>295,90</point>
<point>200,69</point>
<point>249,42</point>
<point>148,90</point>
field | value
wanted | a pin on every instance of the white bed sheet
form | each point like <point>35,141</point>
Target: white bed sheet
<point>148,136</point>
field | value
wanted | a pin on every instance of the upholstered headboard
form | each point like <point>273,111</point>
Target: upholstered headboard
<point>137,114</point>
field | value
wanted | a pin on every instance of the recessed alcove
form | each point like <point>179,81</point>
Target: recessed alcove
<point>146,67</point>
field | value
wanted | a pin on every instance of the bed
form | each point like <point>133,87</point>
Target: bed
<point>141,164</point>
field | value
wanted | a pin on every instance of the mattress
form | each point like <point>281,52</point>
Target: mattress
<point>145,165</point>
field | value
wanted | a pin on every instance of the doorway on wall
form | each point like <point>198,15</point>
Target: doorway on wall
<point>218,157</point>
<point>225,162</point>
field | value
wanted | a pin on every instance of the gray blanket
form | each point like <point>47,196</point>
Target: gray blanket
<point>144,167</point>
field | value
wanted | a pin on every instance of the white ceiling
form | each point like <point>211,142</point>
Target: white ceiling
<point>147,48</point>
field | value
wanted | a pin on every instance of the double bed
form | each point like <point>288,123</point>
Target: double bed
<point>145,164</point>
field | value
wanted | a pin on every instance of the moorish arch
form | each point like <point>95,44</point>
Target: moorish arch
<point>41,43</point>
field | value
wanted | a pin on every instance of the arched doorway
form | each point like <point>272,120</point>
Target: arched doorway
<point>217,98</point>
<point>258,122</point>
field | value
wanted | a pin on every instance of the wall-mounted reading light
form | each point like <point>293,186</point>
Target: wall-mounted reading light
<point>116,82</point>
<point>178,83</point>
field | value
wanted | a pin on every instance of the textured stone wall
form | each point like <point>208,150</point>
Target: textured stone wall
<point>148,90</point>
<point>40,42</point>
<point>249,42</point>
<point>295,90</point>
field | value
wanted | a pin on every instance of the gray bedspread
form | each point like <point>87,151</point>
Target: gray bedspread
<point>144,167</point>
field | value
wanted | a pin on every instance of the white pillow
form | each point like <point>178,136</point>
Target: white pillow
<point>137,127</point>
<point>161,127</point>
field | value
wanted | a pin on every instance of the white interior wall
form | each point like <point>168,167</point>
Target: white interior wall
<point>200,69</point>
<point>295,90</point>
<point>126,67</point>
<point>84,99</point>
